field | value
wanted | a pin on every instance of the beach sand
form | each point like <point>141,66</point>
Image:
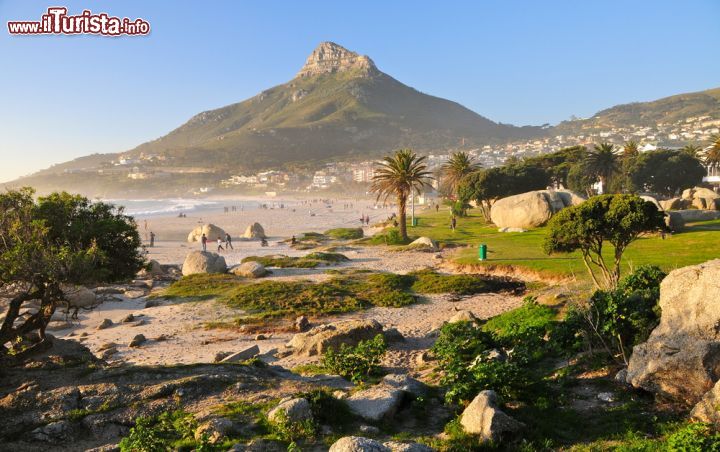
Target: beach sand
<point>176,330</point>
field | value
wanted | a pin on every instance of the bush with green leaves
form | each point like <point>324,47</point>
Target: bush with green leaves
<point>359,362</point>
<point>694,437</point>
<point>345,233</point>
<point>500,355</point>
<point>619,319</point>
<point>163,432</point>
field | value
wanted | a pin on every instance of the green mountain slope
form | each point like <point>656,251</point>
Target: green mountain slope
<point>339,104</point>
<point>667,110</point>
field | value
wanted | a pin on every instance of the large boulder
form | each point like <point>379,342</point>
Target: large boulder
<point>254,231</point>
<point>377,402</point>
<point>292,411</point>
<point>203,262</point>
<point>674,204</point>
<point>653,200</point>
<point>699,192</point>
<point>531,209</point>
<point>483,418</point>
<point>250,269</point>
<point>357,444</point>
<point>211,231</point>
<point>680,361</point>
<point>424,243</point>
<point>318,339</point>
<point>78,296</point>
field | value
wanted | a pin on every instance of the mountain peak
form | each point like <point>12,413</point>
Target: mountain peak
<point>329,57</point>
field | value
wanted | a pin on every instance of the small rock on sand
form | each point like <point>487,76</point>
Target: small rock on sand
<point>106,323</point>
<point>137,341</point>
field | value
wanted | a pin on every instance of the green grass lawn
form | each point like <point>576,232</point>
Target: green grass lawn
<point>698,243</point>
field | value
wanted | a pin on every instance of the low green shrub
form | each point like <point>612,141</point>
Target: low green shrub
<point>345,233</point>
<point>694,437</point>
<point>619,319</point>
<point>390,236</point>
<point>311,260</point>
<point>202,286</point>
<point>359,362</point>
<point>163,432</point>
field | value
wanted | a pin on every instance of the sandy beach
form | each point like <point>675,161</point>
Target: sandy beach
<point>177,332</point>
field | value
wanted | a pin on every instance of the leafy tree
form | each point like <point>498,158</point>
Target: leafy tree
<point>459,165</point>
<point>40,260</point>
<point>580,180</point>
<point>400,175</point>
<point>666,172</point>
<point>359,362</point>
<point>559,164</point>
<point>616,219</point>
<point>486,186</point>
<point>603,163</point>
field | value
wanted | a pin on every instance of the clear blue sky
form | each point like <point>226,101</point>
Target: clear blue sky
<point>519,62</point>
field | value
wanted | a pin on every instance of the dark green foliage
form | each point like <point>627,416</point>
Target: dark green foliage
<point>162,433</point>
<point>587,227</point>
<point>359,362</point>
<point>559,164</point>
<point>580,179</point>
<point>345,233</point>
<point>75,221</point>
<point>326,257</point>
<point>62,240</point>
<point>624,317</point>
<point>666,172</point>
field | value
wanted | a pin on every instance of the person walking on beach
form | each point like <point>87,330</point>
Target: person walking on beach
<point>437,207</point>
<point>203,240</point>
<point>453,223</point>
<point>152,239</point>
<point>220,247</point>
<point>228,242</point>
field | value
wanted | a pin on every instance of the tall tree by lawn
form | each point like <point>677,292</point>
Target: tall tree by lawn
<point>400,175</point>
<point>459,165</point>
<point>603,163</point>
<point>692,149</point>
<point>615,219</point>
<point>46,248</point>
<point>666,172</point>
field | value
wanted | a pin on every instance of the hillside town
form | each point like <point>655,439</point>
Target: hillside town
<point>344,174</point>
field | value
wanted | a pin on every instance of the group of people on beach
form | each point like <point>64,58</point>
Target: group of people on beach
<point>364,220</point>
<point>227,242</point>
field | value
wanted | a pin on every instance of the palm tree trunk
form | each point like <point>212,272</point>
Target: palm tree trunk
<point>402,205</point>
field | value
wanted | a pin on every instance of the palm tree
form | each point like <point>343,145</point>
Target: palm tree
<point>602,162</point>
<point>631,149</point>
<point>712,152</point>
<point>459,165</point>
<point>399,175</point>
<point>692,150</point>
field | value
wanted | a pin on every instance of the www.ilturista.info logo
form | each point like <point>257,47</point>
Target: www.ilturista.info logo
<point>56,21</point>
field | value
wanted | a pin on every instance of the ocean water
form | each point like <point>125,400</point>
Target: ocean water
<point>175,206</point>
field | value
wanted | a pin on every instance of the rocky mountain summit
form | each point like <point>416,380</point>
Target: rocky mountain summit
<point>329,58</point>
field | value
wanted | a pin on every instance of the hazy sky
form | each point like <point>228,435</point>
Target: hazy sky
<point>519,62</point>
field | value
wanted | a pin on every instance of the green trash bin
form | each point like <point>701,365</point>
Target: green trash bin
<point>414,222</point>
<point>482,252</point>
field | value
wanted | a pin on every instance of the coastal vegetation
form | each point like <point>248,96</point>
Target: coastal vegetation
<point>344,293</point>
<point>311,260</point>
<point>49,246</point>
